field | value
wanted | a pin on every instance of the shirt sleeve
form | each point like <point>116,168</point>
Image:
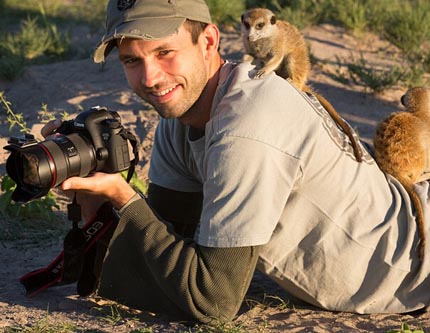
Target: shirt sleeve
<point>247,186</point>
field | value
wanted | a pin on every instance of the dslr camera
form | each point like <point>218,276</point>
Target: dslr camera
<point>94,141</point>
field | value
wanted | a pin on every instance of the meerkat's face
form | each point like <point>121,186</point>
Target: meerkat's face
<point>258,23</point>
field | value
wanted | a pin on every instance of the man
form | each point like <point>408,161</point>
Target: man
<point>248,173</point>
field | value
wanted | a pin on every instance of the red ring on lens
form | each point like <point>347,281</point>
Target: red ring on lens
<point>51,165</point>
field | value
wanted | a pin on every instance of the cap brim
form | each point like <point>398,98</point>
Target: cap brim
<point>103,49</point>
<point>146,29</point>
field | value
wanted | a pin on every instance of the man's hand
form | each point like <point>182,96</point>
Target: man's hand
<point>98,188</point>
<point>112,187</point>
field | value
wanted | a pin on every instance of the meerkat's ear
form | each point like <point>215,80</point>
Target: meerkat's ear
<point>403,100</point>
<point>244,23</point>
<point>241,18</point>
<point>273,20</point>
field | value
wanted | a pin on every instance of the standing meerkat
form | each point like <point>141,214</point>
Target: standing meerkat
<point>402,147</point>
<point>279,46</point>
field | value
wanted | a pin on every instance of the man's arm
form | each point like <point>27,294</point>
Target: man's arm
<point>151,266</point>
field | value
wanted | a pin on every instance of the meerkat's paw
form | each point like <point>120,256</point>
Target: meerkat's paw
<point>259,74</point>
<point>424,176</point>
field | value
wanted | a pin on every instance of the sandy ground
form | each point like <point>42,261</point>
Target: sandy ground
<point>79,84</point>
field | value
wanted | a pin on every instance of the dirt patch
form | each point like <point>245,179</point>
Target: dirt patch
<point>76,85</point>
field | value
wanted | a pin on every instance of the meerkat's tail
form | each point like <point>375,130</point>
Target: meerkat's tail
<point>420,217</point>
<point>343,125</point>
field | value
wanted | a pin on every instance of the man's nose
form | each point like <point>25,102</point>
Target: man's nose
<point>151,74</point>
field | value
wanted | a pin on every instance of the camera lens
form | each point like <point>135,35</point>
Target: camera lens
<point>38,167</point>
<point>30,165</point>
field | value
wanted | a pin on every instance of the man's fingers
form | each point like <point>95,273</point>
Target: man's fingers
<point>50,127</point>
<point>96,183</point>
<point>109,186</point>
<point>77,183</point>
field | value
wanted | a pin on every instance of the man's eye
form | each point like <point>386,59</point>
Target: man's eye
<point>129,61</point>
<point>164,52</point>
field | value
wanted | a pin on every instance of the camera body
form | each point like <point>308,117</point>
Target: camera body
<point>94,141</point>
<point>103,128</point>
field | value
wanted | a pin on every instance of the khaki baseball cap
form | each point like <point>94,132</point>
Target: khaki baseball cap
<point>147,20</point>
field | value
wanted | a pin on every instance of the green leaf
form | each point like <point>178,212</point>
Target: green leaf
<point>5,200</point>
<point>7,184</point>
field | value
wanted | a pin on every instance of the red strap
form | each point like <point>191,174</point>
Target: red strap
<point>52,275</point>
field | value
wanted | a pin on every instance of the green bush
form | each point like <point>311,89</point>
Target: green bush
<point>300,13</point>
<point>375,80</point>
<point>226,11</point>
<point>33,43</point>
<point>408,26</point>
<point>351,14</point>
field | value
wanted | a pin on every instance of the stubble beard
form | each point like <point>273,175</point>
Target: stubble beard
<point>190,94</point>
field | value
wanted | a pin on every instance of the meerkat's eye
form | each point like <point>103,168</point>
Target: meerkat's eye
<point>246,24</point>
<point>260,26</point>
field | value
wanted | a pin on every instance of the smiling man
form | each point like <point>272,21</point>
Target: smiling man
<point>244,173</point>
<point>163,75</point>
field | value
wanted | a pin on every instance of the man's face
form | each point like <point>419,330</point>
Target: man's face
<point>170,73</point>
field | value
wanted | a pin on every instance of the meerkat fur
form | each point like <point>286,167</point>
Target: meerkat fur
<point>278,46</point>
<point>402,148</point>
<point>275,46</point>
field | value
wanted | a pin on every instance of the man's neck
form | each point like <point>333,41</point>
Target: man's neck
<point>199,113</point>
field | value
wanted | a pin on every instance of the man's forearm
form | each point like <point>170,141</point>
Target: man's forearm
<point>203,283</point>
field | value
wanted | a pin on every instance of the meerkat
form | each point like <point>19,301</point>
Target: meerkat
<point>278,46</point>
<point>402,148</point>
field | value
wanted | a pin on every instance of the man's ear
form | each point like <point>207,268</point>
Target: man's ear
<point>211,37</point>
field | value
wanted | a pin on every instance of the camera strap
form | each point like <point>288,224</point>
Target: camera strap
<point>126,135</point>
<point>74,244</point>
<point>81,258</point>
